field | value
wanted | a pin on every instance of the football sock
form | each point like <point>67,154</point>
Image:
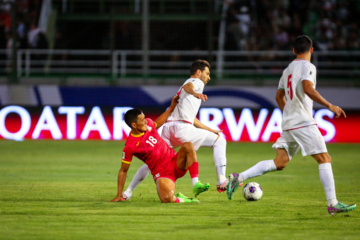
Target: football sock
<point>221,179</point>
<point>258,169</point>
<point>194,180</point>
<point>128,192</point>
<point>219,149</point>
<point>140,175</point>
<point>327,180</point>
<point>194,172</point>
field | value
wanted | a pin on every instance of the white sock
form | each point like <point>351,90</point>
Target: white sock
<point>194,180</point>
<point>221,179</point>
<point>128,192</point>
<point>327,180</point>
<point>219,149</point>
<point>140,175</point>
<point>258,169</point>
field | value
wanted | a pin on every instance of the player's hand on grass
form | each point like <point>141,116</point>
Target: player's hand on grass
<point>118,199</point>
<point>337,110</point>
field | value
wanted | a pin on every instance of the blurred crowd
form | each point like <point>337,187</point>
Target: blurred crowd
<point>251,25</point>
<point>28,33</point>
<point>273,25</point>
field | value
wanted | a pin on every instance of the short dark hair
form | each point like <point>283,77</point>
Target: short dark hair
<point>132,116</point>
<point>302,44</point>
<point>199,64</point>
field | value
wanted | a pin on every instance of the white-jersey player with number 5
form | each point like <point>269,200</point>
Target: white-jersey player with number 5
<point>295,97</point>
<point>183,126</point>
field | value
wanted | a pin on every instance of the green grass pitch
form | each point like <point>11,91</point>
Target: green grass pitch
<point>62,189</point>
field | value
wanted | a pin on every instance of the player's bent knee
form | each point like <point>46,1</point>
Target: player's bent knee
<point>168,198</point>
<point>165,189</point>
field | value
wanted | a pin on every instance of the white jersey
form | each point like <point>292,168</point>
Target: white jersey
<point>188,105</point>
<point>298,108</point>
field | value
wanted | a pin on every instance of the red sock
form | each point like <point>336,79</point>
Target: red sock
<point>194,170</point>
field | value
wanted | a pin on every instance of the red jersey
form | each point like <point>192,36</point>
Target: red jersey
<point>148,147</point>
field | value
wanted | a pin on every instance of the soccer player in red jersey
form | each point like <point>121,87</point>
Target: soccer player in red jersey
<point>145,143</point>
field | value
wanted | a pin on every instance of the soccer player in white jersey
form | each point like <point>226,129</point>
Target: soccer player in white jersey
<point>295,97</point>
<point>183,126</point>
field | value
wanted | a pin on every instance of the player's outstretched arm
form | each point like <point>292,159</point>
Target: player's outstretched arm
<point>199,124</point>
<point>121,181</point>
<point>163,117</point>
<point>315,96</point>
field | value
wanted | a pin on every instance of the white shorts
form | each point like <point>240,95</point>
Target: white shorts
<point>177,133</point>
<point>308,139</point>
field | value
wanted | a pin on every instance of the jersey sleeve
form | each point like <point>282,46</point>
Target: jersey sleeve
<point>127,155</point>
<point>198,85</point>
<point>308,73</point>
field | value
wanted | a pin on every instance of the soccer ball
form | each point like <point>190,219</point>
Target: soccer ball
<point>252,191</point>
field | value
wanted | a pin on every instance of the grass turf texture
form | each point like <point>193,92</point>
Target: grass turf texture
<point>61,190</point>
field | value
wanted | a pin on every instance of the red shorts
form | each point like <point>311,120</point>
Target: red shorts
<point>171,171</point>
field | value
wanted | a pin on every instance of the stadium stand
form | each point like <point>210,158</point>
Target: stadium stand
<point>103,39</point>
